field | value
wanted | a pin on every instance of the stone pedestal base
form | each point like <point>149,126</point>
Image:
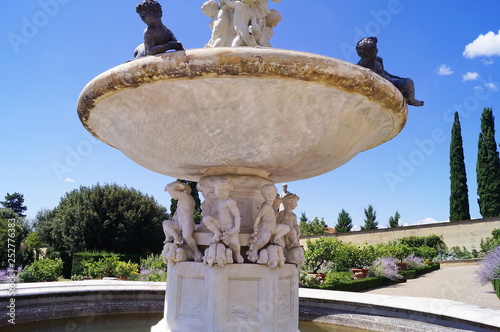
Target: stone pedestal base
<point>233,298</point>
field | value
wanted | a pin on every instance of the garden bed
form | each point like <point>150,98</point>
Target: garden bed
<point>342,281</point>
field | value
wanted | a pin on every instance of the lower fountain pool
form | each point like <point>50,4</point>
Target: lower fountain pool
<point>137,323</point>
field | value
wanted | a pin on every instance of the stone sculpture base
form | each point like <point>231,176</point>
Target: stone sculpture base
<point>236,297</point>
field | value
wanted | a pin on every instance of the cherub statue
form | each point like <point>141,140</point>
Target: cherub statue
<point>367,50</point>
<point>157,37</point>
<point>287,217</point>
<point>241,22</point>
<point>180,228</point>
<point>226,226</point>
<point>222,23</point>
<point>265,228</point>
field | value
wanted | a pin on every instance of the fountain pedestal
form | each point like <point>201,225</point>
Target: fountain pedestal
<point>236,297</point>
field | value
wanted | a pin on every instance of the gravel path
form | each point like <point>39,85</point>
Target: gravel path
<point>456,283</point>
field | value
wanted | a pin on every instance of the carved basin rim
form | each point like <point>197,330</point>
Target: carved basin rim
<point>316,75</point>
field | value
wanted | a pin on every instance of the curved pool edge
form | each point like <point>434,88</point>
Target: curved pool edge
<point>53,300</point>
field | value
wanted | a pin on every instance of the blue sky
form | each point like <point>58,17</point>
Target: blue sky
<point>52,48</point>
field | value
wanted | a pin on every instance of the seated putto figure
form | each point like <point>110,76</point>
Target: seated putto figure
<point>226,225</point>
<point>157,37</point>
<point>265,229</point>
<point>180,228</point>
<point>289,218</point>
<point>367,50</point>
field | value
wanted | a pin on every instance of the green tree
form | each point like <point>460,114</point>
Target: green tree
<point>344,222</point>
<point>104,218</point>
<point>314,227</point>
<point>394,220</point>
<point>459,193</point>
<point>488,168</point>
<point>15,202</point>
<point>12,234</point>
<point>370,217</point>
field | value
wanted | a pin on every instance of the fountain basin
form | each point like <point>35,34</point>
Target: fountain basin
<point>36,302</point>
<point>279,114</point>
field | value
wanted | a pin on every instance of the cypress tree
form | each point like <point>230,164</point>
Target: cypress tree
<point>459,193</point>
<point>370,217</point>
<point>394,220</point>
<point>488,168</point>
<point>344,222</point>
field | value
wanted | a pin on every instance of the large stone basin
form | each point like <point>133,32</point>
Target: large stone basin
<point>279,114</point>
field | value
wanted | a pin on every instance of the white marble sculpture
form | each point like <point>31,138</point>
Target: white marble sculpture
<point>225,226</point>
<point>179,229</point>
<point>287,217</point>
<point>265,228</point>
<point>241,22</point>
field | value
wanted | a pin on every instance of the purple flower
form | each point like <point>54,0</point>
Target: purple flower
<point>413,261</point>
<point>385,267</point>
<point>490,267</point>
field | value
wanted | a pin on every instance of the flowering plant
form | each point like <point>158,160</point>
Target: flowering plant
<point>490,267</point>
<point>413,262</point>
<point>385,267</point>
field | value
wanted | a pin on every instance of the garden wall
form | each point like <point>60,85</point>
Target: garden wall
<point>466,234</point>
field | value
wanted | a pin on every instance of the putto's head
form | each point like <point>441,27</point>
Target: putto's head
<point>290,201</point>
<point>152,7</point>
<point>366,46</point>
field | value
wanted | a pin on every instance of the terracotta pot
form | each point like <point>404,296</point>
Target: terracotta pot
<point>359,273</point>
<point>320,277</point>
<point>401,266</point>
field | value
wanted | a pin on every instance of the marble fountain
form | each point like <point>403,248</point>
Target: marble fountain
<point>237,117</point>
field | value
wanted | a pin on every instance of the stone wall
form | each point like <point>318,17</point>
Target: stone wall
<point>466,234</point>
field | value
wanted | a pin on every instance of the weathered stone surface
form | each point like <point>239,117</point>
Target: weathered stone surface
<point>293,115</point>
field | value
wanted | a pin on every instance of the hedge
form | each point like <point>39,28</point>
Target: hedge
<point>77,266</point>
<point>360,285</point>
<point>412,274</point>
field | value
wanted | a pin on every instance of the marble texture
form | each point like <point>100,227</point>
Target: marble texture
<point>250,107</point>
<point>237,297</point>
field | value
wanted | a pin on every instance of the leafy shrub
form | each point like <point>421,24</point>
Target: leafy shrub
<point>44,270</point>
<point>334,278</point>
<point>77,277</point>
<point>490,267</point>
<point>307,280</point>
<point>425,252</point>
<point>490,243</point>
<point>127,270</point>
<point>153,268</point>
<point>385,267</point>
<point>320,251</point>
<point>104,267</point>
<point>153,261</point>
<point>432,241</point>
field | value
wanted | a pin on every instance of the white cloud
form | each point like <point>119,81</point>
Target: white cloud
<point>444,70</point>
<point>491,86</point>
<point>427,221</point>
<point>355,228</point>
<point>69,180</point>
<point>484,45</point>
<point>470,76</point>
<point>487,62</point>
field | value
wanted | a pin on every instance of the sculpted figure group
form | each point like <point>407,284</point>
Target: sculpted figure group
<point>275,237</point>
<point>240,22</point>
